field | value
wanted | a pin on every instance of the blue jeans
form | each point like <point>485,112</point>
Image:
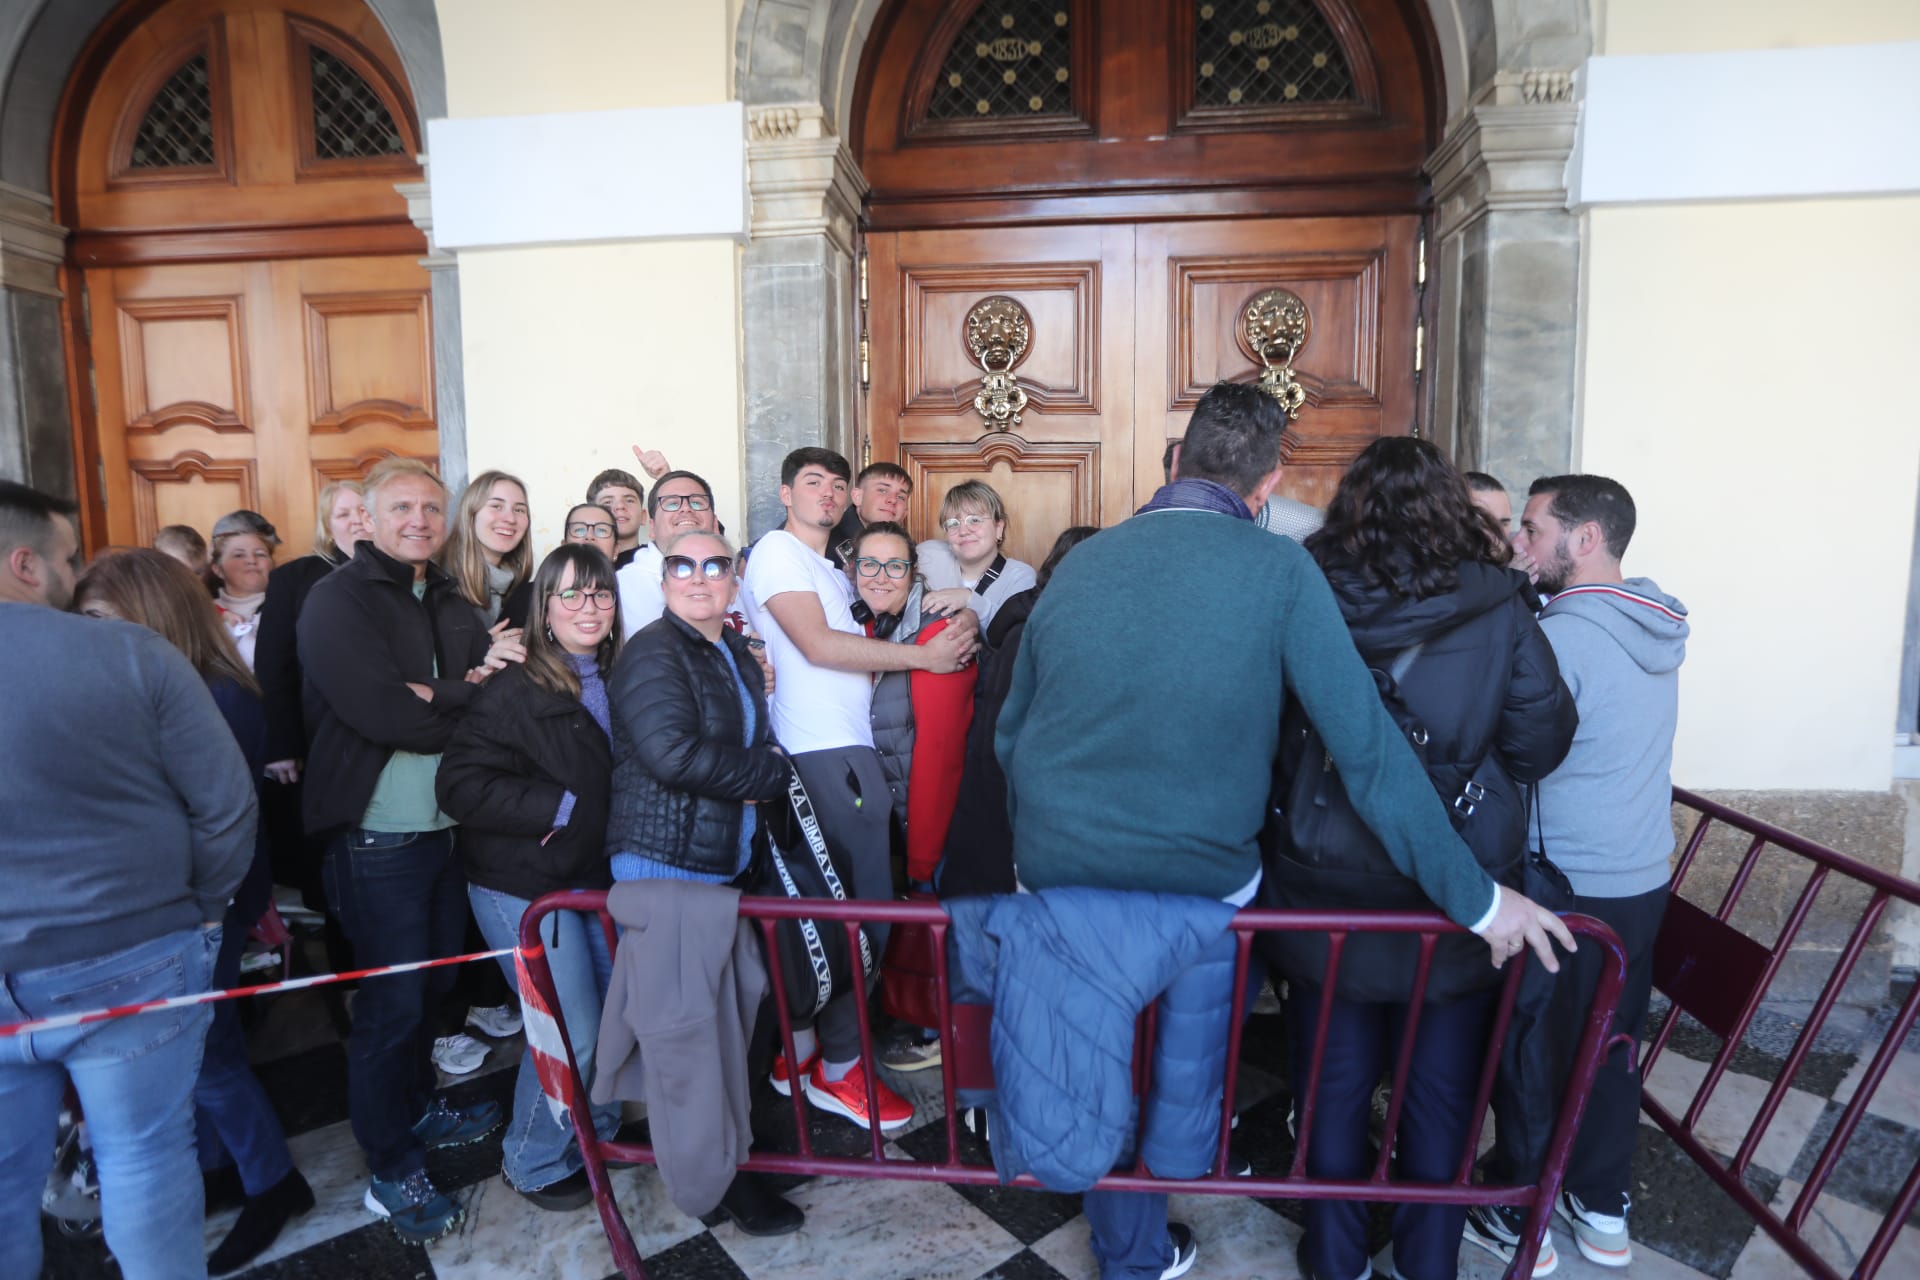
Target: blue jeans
<point>400,898</point>
<point>1129,1237</point>
<point>1362,1039</point>
<point>135,1081</point>
<point>235,1121</point>
<point>539,1151</point>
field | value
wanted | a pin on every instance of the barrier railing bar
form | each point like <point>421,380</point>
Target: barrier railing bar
<point>1803,1043</point>
<point>1694,842</point>
<point>1409,1037</point>
<point>1856,1107</point>
<point>1490,1068</point>
<point>1894,886</point>
<point>1883,1238</point>
<point>1776,957</point>
<point>1242,954</point>
<point>1303,1113</point>
<point>942,985</point>
<point>869,1069</point>
<point>1738,884</point>
<point>785,1015</point>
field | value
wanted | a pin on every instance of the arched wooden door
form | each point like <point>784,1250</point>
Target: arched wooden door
<point>246,302</point>
<point>1132,176</point>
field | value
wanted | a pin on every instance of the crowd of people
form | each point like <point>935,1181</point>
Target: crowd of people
<point>1230,698</point>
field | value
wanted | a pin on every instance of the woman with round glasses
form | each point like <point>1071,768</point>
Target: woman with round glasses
<point>591,525</point>
<point>968,569</point>
<point>920,719</point>
<point>528,775</point>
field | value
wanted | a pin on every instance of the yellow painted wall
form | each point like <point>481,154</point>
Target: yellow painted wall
<point>1748,378</point>
<point>575,353</point>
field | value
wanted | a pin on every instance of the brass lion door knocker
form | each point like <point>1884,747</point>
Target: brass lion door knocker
<point>1274,326</point>
<point>999,331</point>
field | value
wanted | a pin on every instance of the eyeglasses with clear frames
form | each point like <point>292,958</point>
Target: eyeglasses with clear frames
<point>589,531</point>
<point>872,568</point>
<point>674,502</point>
<point>953,524</point>
<point>574,600</point>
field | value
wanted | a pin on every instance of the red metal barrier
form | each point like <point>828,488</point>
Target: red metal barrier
<point>1720,976</point>
<point>964,1065</point>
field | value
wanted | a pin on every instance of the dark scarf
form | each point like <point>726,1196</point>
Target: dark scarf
<point>1197,495</point>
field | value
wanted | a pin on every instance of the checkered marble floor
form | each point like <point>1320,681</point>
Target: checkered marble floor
<point>1683,1226</point>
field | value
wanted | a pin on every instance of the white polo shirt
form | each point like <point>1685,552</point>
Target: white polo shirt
<point>814,708</point>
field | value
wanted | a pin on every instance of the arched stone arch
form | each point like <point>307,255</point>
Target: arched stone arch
<point>40,42</point>
<point>1506,250</point>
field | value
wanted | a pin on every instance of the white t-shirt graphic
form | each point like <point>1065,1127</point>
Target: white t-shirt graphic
<point>814,708</point>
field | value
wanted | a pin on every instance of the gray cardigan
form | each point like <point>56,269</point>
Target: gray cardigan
<point>129,809</point>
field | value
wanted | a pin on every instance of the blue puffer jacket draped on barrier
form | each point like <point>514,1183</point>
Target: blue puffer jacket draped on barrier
<point>1068,972</point>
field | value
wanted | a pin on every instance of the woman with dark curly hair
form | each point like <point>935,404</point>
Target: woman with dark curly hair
<point>1449,632</point>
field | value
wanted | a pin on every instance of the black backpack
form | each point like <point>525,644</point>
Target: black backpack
<point>1318,853</point>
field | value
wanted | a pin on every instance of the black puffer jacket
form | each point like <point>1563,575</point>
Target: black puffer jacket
<point>680,773</point>
<point>1487,690</point>
<point>276,654</point>
<point>519,749</point>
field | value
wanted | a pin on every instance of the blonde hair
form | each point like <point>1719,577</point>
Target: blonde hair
<point>465,560</point>
<point>973,493</point>
<point>161,594</point>
<point>323,543</point>
<point>392,469</point>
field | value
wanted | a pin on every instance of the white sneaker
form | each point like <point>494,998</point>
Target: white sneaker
<point>1601,1238</point>
<point>459,1055</point>
<point>499,1022</point>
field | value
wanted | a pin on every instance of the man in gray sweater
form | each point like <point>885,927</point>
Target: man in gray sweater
<point>1605,813</point>
<point>130,821</point>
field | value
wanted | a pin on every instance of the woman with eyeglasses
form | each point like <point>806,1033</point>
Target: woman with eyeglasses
<point>968,570</point>
<point>591,525</point>
<point>528,775</point>
<point>693,758</point>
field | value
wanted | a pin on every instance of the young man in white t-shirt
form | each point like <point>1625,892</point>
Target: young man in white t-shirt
<point>822,706</point>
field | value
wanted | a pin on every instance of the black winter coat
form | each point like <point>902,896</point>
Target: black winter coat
<point>680,773</point>
<point>276,653</point>
<point>1488,691</point>
<point>978,858</point>
<point>518,750</point>
<point>363,639</point>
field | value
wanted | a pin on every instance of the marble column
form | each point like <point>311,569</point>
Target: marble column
<point>36,425</point>
<point>449,381</point>
<point>800,311</point>
<point>1509,251</point>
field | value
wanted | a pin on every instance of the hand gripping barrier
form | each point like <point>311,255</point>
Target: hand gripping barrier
<point>964,1064</point>
<point>1712,971</point>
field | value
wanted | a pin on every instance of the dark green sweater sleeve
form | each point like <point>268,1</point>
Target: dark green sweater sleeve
<point>1386,782</point>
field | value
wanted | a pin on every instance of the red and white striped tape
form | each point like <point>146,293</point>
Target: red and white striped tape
<point>209,997</point>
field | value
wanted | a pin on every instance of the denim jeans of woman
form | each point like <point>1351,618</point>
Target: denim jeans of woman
<point>135,1081</point>
<point>538,1150</point>
<point>234,1120</point>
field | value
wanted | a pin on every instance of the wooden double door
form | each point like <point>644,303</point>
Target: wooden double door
<point>1131,323</point>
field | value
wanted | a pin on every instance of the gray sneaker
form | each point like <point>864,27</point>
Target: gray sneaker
<point>1600,1237</point>
<point>912,1054</point>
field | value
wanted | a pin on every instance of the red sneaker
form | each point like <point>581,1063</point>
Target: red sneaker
<point>781,1077</point>
<point>848,1097</point>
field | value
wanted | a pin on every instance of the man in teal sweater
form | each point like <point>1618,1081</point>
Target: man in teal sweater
<point>1140,731</point>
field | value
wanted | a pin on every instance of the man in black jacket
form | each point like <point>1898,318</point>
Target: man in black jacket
<point>392,653</point>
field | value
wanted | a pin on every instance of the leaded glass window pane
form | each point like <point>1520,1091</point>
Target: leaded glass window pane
<point>1011,59</point>
<point>177,130</point>
<point>1266,53</point>
<point>349,120</point>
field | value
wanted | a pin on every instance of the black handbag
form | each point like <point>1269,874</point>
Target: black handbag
<point>795,862</point>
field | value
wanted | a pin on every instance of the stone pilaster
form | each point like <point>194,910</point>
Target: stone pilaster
<point>1509,277</point>
<point>36,425</point>
<point>799,311</point>
<point>449,387</point>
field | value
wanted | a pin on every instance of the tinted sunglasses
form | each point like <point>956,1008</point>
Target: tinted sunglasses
<point>713,568</point>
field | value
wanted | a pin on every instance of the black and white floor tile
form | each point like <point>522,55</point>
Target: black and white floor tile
<point>888,1230</point>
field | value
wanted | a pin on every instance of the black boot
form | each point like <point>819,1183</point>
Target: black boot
<point>756,1208</point>
<point>261,1220</point>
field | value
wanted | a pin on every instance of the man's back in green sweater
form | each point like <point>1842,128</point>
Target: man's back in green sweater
<point>1140,731</point>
